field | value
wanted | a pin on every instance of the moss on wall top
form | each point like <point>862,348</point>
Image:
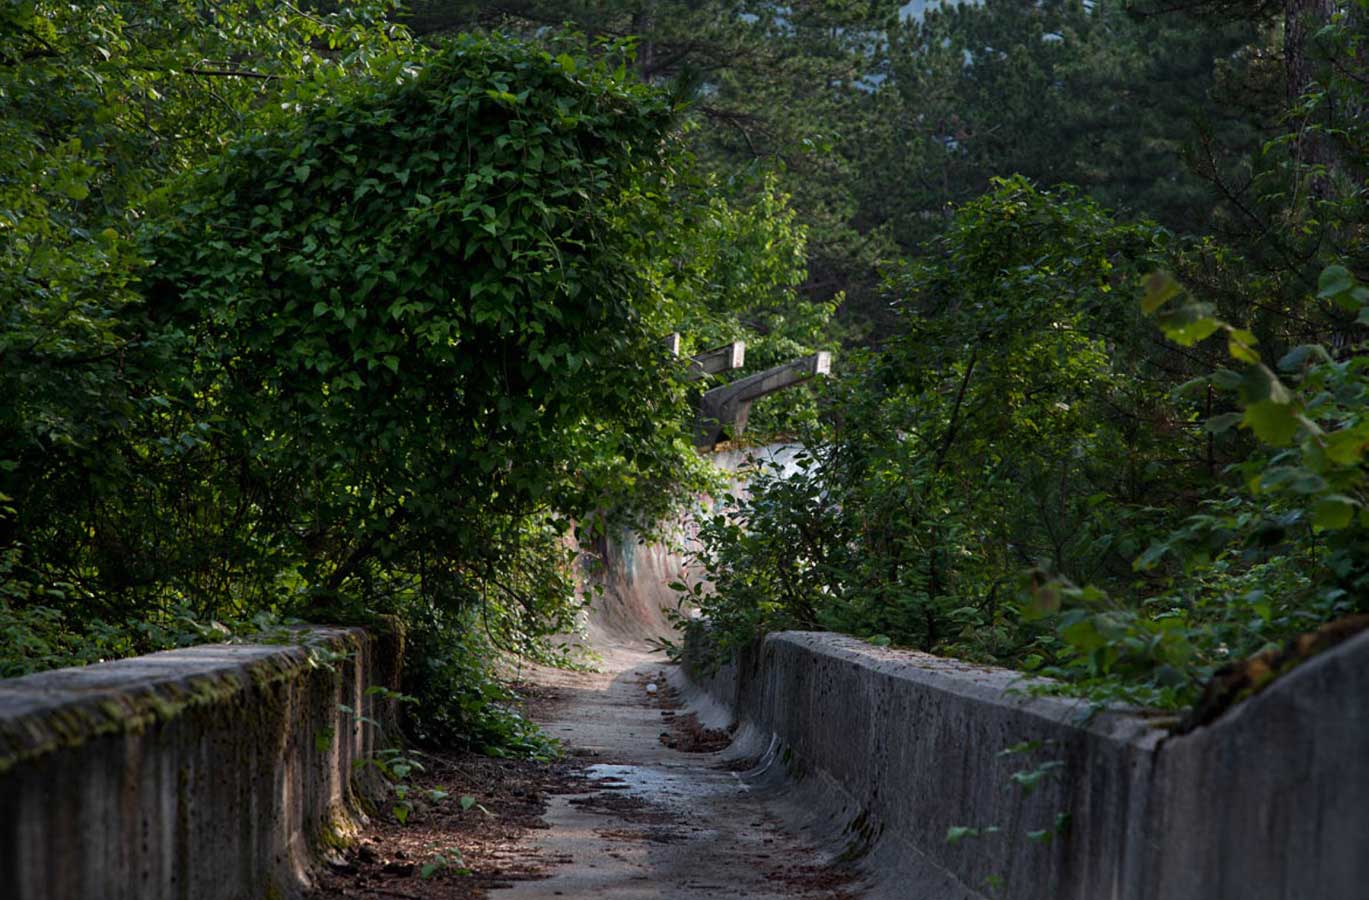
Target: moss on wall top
<point>49,711</point>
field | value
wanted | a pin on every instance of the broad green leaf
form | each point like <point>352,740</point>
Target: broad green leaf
<point>1346,447</point>
<point>1241,345</point>
<point>1334,512</point>
<point>1273,423</point>
<point>1259,383</point>
<point>1291,479</point>
<point>1082,635</point>
<point>1299,356</point>
<point>1334,281</point>
<point>1189,324</point>
<point>1223,422</point>
<point>1160,289</point>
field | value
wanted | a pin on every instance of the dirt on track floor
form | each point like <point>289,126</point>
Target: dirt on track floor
<point>473,850</point>
<point>642,806</point>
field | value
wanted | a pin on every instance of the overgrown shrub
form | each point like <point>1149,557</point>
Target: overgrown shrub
<point>1008,421</point>
<point>372,359</point>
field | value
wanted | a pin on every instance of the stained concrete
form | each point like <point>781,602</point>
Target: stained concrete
<point>1272,799</point>
<point>1270,802</point>
<point>666,824</point>
<point>210,772</point>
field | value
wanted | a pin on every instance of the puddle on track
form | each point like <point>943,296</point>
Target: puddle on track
<point>661,823</point>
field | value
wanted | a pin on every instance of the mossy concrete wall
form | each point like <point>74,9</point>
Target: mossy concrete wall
<point>1269,802</point>
<point>210,772</point>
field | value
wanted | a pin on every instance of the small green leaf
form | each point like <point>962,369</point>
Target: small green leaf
<point>1020,747</point>
<point>1030,780</point>
<point>1240,344</point>
<point>467,802</point>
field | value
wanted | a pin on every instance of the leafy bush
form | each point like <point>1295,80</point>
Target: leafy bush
<point>99,105</point>
<point>410,321</point>
<point>1004,423</point>
<point>1025,477</point>
<point>374,358</point>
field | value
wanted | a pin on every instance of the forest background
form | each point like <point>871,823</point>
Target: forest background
<point>351,312</point>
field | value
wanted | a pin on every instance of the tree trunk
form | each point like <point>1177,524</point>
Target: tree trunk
<point>1301,20</point>
<point>643,23</point>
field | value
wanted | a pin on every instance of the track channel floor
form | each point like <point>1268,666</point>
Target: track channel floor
<point>660,823</point>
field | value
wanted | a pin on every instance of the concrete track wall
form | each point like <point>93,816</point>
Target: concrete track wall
<point>633,576</point>
<point>1270,801</point>
<point>204,773</point>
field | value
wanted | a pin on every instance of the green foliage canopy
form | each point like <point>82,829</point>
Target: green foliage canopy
<point>421,312</point>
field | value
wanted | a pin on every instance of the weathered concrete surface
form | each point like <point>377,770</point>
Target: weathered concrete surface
<point>629,577</point>
<point>661,824</point>
<point>1271,801</point>
<point>716,361</point>
<point>709,362</point>
<point>730,404</point>
<point>209,772</point>
<point>629,581</point>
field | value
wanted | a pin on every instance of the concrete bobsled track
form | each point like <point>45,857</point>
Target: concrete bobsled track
<point>810,766</point>
<point>634,576</point>
<point>671,814</point>
<point>855,771</point>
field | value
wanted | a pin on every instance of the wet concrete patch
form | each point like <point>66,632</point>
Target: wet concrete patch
<point>658,822</point>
